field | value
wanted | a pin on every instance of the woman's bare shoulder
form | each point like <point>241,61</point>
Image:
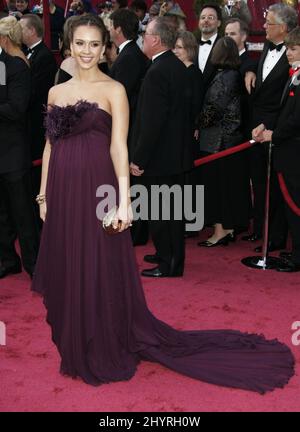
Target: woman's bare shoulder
<point>114,87</point>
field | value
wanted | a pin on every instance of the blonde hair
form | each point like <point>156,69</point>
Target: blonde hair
<point>10,27</point>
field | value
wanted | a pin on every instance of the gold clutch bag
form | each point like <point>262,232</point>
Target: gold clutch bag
<point>108,220</point>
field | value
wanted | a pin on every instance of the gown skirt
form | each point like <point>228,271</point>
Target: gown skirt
<point>91,286</point>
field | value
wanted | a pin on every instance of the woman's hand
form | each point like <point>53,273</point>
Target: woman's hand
<point>43,211</point>
<point>123,215</point>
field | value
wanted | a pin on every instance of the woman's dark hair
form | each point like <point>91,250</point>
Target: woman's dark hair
<point>225,54</point>
<point>89,20</point>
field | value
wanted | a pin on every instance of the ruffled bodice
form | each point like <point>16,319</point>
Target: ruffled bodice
<point>69,120</point>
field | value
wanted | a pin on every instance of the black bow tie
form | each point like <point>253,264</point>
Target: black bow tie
<point>202,42</point>
<point>29,51</point>
<point>278,47</point>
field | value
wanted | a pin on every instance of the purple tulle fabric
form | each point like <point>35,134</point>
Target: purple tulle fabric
<point>64,119</point>
<point>92,289</point>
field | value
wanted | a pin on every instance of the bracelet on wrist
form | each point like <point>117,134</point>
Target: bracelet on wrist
<point>40,199</point>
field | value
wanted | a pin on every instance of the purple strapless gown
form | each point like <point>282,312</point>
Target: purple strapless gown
<point>92,289</point>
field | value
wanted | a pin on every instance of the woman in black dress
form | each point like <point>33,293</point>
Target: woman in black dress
<point>226,197</point>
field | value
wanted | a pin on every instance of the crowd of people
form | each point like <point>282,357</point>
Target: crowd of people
<point>225,95</point>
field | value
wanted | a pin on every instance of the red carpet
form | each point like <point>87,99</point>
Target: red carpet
<point>217,291</point>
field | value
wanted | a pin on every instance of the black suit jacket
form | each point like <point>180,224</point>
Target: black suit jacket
<point>129,69</point>
<point>160,142</point>
<point>247,64</point>
<point>267,94</point>
<point>210,70</point>
<point>286,135</point>
<point>14,100</point>
<point>43,69</point>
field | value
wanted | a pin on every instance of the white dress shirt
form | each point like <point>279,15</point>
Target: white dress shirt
<point>31,47</point>
<point>157,55</point>
<point>123,45</point>
<point>271,60</point>
<point>204,52</point>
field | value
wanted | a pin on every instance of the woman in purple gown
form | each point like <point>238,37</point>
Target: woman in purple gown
<point>89,279</point>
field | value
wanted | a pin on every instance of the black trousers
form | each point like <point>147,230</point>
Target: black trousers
<point>258,173</point>
<point>293,185</point>
<point>140,228</point>
<point>17,220</point>
<point>168,235</point>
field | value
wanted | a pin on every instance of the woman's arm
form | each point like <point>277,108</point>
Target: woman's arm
<point>41,198</point>
<point>119,152</point>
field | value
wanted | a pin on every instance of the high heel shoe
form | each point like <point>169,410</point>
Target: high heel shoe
<point>221,242</point>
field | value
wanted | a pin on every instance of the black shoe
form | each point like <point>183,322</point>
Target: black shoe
<point>152,259</point>
<point>288,267</point>
<point>285,255</point>
<point>272,247</point>
<point>4,271</point>
<point>252,237</point>
<point>222,242</point>
<point>155,272</point>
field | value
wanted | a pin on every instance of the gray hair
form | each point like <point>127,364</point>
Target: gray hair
<point>165,31</point>
<point>285,15</point>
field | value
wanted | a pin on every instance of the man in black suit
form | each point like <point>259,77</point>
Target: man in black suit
<point>238,30</point>
<point>131,64</point>
<point>16,209</point>
<point>286,140</point>
<point>271,76</point>
<point>129,69</point>
<point>43,69</point>
<point>159,150</point>
<point>210,20</point>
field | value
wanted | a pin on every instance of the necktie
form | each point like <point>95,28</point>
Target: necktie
<point>278,47</point>
<point>118,50</point>
<point>202,42</point>
<point>292,71</point>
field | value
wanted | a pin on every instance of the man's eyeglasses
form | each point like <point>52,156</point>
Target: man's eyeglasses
<point>267,23</point>
<point>150,34</point>
<point>209,17</point>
